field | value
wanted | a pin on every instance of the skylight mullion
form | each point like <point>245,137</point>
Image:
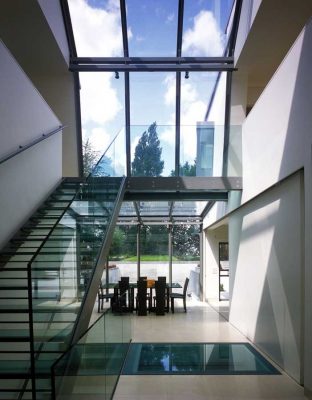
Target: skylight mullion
<point>124,28</point>
<point>178,89</point>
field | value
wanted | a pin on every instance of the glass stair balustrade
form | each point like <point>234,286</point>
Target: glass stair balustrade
<point>56,250</point>
<point>15,358</point>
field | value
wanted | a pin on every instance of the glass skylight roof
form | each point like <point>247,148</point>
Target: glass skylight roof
<point>204,27</point>
<point>152,27</point>
<point>159,62</point>
<point>97,27</point>
<point>149,211</point>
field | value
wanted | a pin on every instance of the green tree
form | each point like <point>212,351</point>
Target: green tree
<point>147,156</point>
<point>186,242</point>
<point>186,169</point>
<point>90,157</point>
<point>117,246</point>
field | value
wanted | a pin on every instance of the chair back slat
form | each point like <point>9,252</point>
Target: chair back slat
<point>160,288</point>
<point>141,297</point>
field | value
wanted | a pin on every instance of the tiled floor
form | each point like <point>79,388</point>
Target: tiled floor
<point>200,324</point>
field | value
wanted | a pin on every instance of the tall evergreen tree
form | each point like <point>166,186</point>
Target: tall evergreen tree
<point>147,156</point>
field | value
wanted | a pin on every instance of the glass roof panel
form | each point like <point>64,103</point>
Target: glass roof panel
<point>204,27</point>
<point>154,208</point>
<point>127,209</point>
<point>103,114</point>
<point>152,27</point>
<point>97,27</point>
<point>188,208</point>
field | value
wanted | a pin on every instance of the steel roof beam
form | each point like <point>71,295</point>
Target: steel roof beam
<point>152,60</point>
<point>151,67</point>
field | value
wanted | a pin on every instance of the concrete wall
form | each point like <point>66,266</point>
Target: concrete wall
<point>27,178</point>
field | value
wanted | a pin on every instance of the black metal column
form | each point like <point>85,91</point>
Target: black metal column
<point>138,251</point>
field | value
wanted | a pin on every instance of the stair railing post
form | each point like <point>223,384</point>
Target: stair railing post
<point>31,333</point>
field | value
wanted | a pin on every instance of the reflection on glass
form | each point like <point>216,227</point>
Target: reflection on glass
<point>196,359</point>
<point>153,27</point>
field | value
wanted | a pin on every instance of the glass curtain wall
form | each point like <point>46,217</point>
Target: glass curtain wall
<point>152,131</point>
<point>123,254</point>
<point>154,257</point>
<point>186,256</point>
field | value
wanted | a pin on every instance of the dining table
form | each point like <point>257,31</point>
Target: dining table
<point>134,285</point>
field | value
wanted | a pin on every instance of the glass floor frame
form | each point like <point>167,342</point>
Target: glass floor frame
<point>196,359</point>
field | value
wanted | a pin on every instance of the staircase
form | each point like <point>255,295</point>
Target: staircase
<point>44,274</point>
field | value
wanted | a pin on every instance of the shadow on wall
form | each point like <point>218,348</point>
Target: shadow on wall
<point>266,273</point>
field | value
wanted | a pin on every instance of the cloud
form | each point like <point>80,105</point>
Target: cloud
<point>99,100</point>
<point>139,38</point>
<point>97,31</point>
<point>170,18</point>
<point>205,37</point>
<point>99,139</point>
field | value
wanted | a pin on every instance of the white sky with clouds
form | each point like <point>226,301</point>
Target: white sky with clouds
<point>102,104</point>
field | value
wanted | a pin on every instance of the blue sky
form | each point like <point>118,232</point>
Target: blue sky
<point>152,28</point>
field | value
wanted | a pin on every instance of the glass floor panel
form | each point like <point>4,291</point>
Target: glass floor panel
<point>196,359</point>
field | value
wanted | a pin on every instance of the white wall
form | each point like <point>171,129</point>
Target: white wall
<point>24,114</point>
<point>270,238</point>
<point>28,177</point>
<point>53,13</point>
<point>266,273</point>
<point>277,131</point>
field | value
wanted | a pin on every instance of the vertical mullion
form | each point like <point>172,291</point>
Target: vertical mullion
<point>123,16</point>
<point>178,89</point>
<point>127,120</point>
<point>170,253</point>
<point>178,124</point>
<point>138,251</point>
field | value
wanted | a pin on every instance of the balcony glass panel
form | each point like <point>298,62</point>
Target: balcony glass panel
<point>152,150</point>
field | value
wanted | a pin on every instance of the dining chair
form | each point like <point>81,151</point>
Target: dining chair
<point>161,279</point>
<point>142,298</point>
<point>102,295</point>
<point>180,296</point>
<point>160,288</point>
<point>121,303</point>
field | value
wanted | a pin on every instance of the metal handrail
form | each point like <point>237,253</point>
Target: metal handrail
<point>31,144</point>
